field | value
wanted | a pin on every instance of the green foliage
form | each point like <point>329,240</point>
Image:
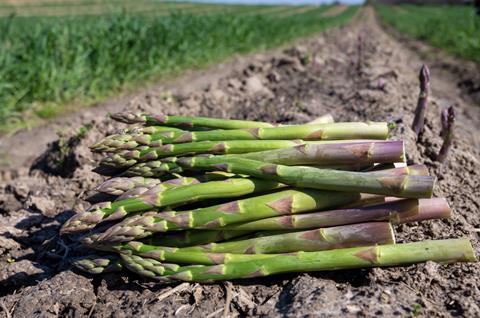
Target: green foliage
<point>456,29</point>
<point>48,62</point>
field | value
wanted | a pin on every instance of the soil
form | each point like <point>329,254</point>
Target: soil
<point>357,72</point>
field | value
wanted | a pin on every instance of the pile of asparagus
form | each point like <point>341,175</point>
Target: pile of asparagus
<point>205,199</point>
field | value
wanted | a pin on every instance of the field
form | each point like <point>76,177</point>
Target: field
<point>48,62</point>
<point>455,29</point>
<point>356,68</point>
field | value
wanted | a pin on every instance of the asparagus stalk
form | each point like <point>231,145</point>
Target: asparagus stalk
<point>311,240</point>
<point>330,155</point>
<point>279,203</point>
<point>333,131</point>
<point>108,211</point>
<point>419,120</point>
<point>120,185</point>
<point>440,251</point>
<point>404,186</point>
<point>320,239</point>
<point>187,121</point>
<point>396,212</point>
<point>448,121</point>
<point>95,264</point>
<point>125,159</point>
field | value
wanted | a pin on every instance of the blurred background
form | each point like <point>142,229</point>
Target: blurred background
<point>57,56</point>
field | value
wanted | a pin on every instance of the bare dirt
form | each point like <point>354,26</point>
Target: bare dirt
<point>357,72</point>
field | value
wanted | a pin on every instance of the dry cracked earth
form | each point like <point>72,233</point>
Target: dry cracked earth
<point>362,71</point>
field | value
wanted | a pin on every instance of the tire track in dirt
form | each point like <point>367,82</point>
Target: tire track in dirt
<point>357,72</point>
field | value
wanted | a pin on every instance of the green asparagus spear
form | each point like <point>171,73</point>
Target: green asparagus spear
<point>278,203</point>
<point>311,240</point>
<point>320,239</point>
<point>396,212</point>
<point>187,121</point>
<point>441,251</point>
<point>404,186</point>
<point>108,211</point>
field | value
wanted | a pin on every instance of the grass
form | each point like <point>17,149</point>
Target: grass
<point>455,29</point>
<point>49,64</point>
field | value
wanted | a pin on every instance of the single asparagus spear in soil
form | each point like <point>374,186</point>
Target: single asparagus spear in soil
<point>419,120</point>
<point>98,264</point>
<point>440,251</point>
<point>396,212</point>
<point>108,211</point>
<point>448,121</point>
<point>404,186</point>
<point>273,204</point>
<point>311,240</point>
<point>187,121</point>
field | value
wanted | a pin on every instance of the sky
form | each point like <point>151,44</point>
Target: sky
<point>279,1</point>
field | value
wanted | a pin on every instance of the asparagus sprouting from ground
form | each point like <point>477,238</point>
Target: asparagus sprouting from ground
<point>283,202</point>
<point>332,131</point>
<point>187,121</point>
<point>448,122</point>
<point>396,212</point>
<point>419,119</point>
<point>107,211</point>
<point>404,186</point>
<point>440,251</point>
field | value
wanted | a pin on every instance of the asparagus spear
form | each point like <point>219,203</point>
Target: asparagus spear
<point>187,121</point>
<point>283,202</point>
<point>125,159</point>
<point>321,239</point>
<point>448,120</point>
<point>96,264</point>
<point>346,155</point>
<point>119,185</point>
<point>311,240</point>
<point>442,251</point>
<point>108,211</point>
<point>419,120</point>
<point>331,131</point>
<point>405,186</point>
<point>396,212</point>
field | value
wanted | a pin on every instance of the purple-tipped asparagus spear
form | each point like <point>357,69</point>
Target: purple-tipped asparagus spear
<point>448,120</point>
<point>419,119</point>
